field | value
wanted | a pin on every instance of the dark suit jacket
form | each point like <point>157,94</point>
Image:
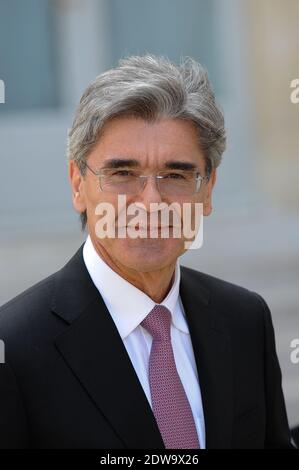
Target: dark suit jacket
<point>68,382</point>
<point>295,436</point>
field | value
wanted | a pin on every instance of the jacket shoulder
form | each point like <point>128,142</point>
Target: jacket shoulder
<point>230,300</point>
<point>215,284</point>
<point>26,309</point>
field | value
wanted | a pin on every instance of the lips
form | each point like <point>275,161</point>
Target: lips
<point>152,227</point>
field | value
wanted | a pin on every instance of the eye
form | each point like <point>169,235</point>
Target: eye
<point>123,173</point>
<point>175,176</point>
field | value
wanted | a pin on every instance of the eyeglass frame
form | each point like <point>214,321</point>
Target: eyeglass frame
<point>99,174</point>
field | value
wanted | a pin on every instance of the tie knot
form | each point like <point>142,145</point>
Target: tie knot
<point>157,323</point>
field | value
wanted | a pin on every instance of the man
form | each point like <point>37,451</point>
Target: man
<point>123,348</point>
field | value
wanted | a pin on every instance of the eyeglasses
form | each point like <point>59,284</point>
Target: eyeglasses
<point>180,183</point>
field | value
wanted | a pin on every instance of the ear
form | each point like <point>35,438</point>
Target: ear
<point>207,199</point>
<point>77,185</point>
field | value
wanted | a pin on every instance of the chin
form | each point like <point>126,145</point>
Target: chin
<point>149,255</point>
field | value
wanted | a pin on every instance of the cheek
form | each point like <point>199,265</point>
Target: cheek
<point>95,197</point>
<point>92,194</point>
<point>98,207</point>
<point>207,207</point>
<point>205,199</point>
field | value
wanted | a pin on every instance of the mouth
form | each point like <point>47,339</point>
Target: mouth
<point>150,227</point>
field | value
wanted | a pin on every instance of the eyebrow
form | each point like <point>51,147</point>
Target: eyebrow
<point>180,165</point>
<point>120,163</point>
<point>133,163</point>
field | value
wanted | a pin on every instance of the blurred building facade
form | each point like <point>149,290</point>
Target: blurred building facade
<point>51,49</point>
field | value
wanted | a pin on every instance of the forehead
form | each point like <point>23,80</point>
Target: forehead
<point>134,137</point>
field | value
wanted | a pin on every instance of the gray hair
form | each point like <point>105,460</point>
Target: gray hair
<point>150,87</point>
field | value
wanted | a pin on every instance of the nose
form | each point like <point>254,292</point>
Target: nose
<point>150,192</point>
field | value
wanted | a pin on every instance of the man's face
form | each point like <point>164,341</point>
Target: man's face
<point>152,146</point>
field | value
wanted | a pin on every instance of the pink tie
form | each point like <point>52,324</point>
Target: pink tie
<point>170,403</point>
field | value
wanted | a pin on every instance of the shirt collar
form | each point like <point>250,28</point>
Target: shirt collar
<point>128,314</point>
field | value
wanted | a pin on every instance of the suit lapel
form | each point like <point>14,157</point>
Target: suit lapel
<point>93,349</point>
<point>212,350</point>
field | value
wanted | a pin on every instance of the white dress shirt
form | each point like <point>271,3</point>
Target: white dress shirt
<point>128,306</point>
